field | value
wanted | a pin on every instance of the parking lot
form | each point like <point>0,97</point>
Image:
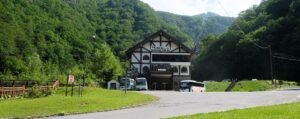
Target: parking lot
<point>173,103</point>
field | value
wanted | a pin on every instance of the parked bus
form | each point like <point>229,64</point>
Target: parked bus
<point>191,86</point>
<point>141,84</point>
<point>127,83</point>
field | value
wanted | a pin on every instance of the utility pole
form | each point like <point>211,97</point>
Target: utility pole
<point>271,67</point>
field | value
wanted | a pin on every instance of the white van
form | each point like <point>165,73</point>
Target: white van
<point>141,84</point>
<point>127,83</point>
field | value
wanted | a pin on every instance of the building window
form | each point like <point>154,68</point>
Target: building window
<point>175,69</point>
<point>184,70</point>
<point>146,57</point>
<point>146,70</point>
<point>170,58</point>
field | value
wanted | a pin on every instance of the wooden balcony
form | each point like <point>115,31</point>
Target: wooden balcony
<point>159,67</point>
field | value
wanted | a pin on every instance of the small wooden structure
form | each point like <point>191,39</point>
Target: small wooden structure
<point>113,84</point>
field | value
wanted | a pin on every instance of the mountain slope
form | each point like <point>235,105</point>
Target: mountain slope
<point>45,40</point>
<point>243,51</point>
<point>198,26</point>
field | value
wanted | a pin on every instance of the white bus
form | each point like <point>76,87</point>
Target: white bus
<point>191,86</point>
<point>141,84</point>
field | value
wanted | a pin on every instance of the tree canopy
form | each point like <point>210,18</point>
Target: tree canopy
<point>242,51</point>
<point>45,40</point>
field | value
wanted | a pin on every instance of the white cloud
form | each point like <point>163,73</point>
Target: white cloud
<point>194,7</point>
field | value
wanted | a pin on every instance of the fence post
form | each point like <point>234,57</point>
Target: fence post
<point>82,86</point>
<point>67,85</point>
<point>79,85</point>
<point>72,88</point>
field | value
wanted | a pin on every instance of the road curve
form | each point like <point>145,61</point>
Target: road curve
<point>173,103</point>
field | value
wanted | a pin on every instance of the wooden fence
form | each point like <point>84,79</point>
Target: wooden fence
<point>11,89</point>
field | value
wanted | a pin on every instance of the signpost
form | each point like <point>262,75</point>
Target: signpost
<point>70,79</point>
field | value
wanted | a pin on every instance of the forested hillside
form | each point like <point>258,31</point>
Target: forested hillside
<point>243,51</point>
<point>198,26</point>
<point>45,40</point>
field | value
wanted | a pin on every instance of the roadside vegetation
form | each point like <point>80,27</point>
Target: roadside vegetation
<point>212,86</point>
<point>248,86</point>
<point>282,111</point>
<point>93,100</point>
<point>261,85</point>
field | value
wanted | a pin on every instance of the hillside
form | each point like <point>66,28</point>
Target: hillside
<point>45,40</point>
<point>243,51</point>
<point>198,26</point>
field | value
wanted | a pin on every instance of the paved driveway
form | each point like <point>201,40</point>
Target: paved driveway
<point>178,103</point>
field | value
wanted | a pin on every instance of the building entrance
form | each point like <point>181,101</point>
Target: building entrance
<point>160,81</point>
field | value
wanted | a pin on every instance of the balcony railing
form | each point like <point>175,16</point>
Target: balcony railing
<point>161,67</point>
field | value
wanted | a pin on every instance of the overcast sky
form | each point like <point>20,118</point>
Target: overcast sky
<point>194,7</point>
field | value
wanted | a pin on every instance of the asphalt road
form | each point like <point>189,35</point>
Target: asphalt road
<point>182,103</point>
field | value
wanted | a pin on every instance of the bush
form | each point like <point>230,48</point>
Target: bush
<point>36,92</point>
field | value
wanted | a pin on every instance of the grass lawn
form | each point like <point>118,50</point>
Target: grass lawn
<point>94,99</point>
<point>216,86</point>
<point>282,111</point>
<point>247,86</point>
<point>259,85</point>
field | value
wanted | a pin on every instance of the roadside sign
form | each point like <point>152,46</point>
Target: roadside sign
<point>71,78</point>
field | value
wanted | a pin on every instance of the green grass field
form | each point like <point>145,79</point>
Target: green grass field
<point>247,86</point>
<point>260,85</point>
<point>94,99</point>
<point>283,111</point>
<point>216,86</point>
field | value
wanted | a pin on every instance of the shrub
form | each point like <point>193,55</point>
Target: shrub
<point>36,92</point>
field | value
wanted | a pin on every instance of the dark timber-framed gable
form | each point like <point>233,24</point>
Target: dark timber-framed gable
<point>159,33</point>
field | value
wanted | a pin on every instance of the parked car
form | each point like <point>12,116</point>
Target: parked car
<point>141,84</point>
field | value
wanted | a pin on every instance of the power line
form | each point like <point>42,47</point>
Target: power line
<point>284,58</point>
<point>223,8</point>
<point>228,15</point>
<point>261,47</point>
<point>254,41</point>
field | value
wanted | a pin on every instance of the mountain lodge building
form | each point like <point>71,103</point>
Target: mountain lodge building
<point>162,59</point>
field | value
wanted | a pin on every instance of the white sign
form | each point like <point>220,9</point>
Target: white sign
<point>161,48</point>
<point>71,78</point>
